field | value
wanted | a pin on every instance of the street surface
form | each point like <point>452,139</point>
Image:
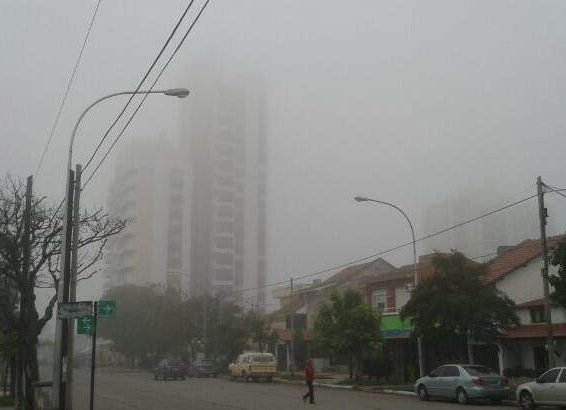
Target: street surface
<point>123,390</point>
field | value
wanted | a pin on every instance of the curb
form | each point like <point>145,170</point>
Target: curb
<point>408,393</point>
<point>398,392</point>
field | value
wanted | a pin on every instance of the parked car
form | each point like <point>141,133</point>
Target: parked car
<point>253,366</point>
<point>547,390</point>
<point>170,369</point>
<point>463,382</point>
<point>200,368</point>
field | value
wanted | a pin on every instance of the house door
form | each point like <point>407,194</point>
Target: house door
<point>281,357</point>
<point>540,358</point>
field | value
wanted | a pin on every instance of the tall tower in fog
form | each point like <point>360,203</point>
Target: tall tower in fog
<point>151,190</point>
<point>224,137</point>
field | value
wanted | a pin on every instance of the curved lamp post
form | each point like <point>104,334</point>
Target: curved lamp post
<point>415,273</point>
<point>65,244</point>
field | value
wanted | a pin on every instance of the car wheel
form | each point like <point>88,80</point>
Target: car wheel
<point>422,392</point>
<point>526,401</point>
<point>496,402</point>
<point>461,396</point>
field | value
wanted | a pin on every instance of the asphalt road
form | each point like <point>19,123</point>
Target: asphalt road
<point>122,390</point>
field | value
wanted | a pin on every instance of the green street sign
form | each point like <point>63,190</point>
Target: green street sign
<point>106,308</point>
<point>85,325</point>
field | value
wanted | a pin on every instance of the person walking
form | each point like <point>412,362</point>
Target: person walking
<point>309,378</point>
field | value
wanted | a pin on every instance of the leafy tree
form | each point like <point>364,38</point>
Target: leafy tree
<point>226,328</point>
<point>45,240</point>
<point>258,330</point>
<point>454,303</point>
<point>150,322</point>
<point>559,281</point>
<point>347,325</point>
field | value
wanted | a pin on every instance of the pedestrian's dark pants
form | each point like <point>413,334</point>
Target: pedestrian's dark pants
<point>310,393</point>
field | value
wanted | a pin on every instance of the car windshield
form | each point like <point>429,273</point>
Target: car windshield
<point>224,204</point>
<point>262,358</point>
<point>480,371</point>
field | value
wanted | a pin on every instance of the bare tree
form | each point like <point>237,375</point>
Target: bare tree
<point>45,248</point>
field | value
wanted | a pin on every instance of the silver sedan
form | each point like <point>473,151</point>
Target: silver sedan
<point>547,390</point>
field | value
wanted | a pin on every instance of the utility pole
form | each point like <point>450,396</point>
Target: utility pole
<point>292,332</point>
<point>24,376</point>
<point>543,214</point>
<point>61,330</point>
<point>73,286</point>
<point>204,324</point>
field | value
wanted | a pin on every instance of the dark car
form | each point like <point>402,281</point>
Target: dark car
<point>203,368</point>
<point>170,369</point>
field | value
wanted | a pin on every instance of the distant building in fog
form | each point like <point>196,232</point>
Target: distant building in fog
<point>224,136</point>
<point>151,190</point>
<point>482,237</point>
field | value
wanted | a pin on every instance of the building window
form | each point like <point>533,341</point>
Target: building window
<point>537,314</point>
<point>402,296</point>
<point>224,227</point>
<point>379,300</point>
<point>222,242</point>
<point>223,274</point>
<point>224,259</point>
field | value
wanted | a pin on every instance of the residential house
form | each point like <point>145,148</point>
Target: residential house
<point>302,304</point>
<point>516,271</point>
<point>389,292</point>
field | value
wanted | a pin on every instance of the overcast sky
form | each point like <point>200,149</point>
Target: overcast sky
<point>412,102</point>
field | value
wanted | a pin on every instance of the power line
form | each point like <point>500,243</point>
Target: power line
<point>54,126</point>
<point>155,60</point>
<point>146,94</point>
<point>333,268</point>
<point>555,190</point>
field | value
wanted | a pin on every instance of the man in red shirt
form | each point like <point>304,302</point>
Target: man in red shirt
<point>309,377</point>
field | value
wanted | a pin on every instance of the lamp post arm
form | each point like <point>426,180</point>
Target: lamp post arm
<point>412,233</point>
<point>87,109</point>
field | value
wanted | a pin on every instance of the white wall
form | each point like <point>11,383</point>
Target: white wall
<point>525,283</point>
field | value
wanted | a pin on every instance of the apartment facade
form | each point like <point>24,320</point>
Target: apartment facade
<point>224,138</point>
<point>151,190</point>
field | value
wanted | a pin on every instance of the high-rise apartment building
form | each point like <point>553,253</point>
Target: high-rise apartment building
<point>224,136</point>
<point>151,190</point>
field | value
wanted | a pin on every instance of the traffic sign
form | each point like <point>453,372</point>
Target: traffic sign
<point>85,325</point>
<point>106,308</point>
<point>73,310</point>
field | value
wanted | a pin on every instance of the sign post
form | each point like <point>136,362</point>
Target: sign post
<point>74,310</point>
<point>106,308</point>
<point>85,325</point>
<point>93,356</point>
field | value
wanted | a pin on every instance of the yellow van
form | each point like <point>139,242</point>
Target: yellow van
<point>253,366</point>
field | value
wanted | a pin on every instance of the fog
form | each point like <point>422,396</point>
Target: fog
<point>415,103</point>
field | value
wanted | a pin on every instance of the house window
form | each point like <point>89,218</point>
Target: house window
<point>379,299</point>
<point>402,296</point>
<point>537,314</point>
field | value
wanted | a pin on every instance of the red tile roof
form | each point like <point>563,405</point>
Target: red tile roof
<point>517,257</point>
<point>347,273</point>
<point>535,331</point>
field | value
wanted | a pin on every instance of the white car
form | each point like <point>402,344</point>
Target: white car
<point>547,390</point>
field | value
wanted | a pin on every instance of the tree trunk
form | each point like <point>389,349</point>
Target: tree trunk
<point>13,375</point>
<point>350,365</point>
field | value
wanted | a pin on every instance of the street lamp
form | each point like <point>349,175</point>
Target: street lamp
<point>65,248</point>
<point>415,273</point>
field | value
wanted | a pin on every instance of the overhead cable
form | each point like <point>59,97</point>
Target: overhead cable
<point>64,100</point>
